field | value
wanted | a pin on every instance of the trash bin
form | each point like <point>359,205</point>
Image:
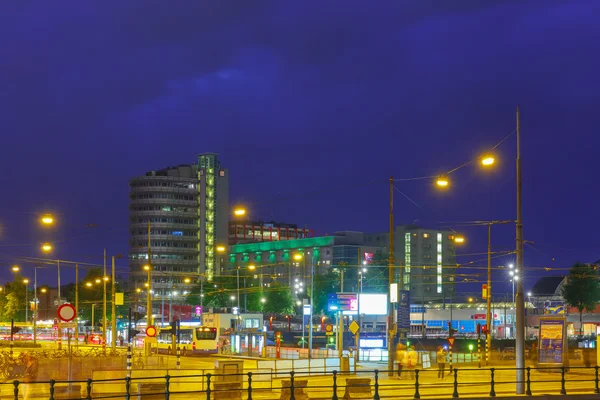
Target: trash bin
<point>229,370</point>
<point>345,364</point>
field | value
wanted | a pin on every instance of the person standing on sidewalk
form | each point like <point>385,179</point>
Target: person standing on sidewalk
<point>441,361</point>
<point>400,358</point>
<point>411,361</point>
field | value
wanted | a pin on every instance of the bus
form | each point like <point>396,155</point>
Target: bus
<point>191,338</point>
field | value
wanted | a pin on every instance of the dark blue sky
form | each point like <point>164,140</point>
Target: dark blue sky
<point>307,102</point>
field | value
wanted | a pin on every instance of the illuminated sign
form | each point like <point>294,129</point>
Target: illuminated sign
<point>393,292</point>
<point>368,258</point>
<point>373,304</point>
<point>345,302</point>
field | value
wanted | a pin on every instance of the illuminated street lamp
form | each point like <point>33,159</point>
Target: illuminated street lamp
<point>297,257</point>
<point>221,249</point>
<point>187,280</point>
<point>239,212</point>
<point>15,268</point>
<point>442,181</point>
<point>47,219</point>
<point>459,239</point>
<point>487,160</point>
<point>88,284</point>
<point>46,247</point>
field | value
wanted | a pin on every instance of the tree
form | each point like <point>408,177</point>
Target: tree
<point>582,289</point>
<point>216,293</point>
<point>278,299</point>
<point>11,307</point>
<point>324,285</point>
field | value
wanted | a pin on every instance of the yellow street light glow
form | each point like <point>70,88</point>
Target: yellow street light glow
<point>187,280</point>
<point>146,284</point>
<point>442,181</point>
<point>220,249</point>
<point>15,268</point>
<point>43,290</point>
<point>98,280</point>
<point>138,290</point>
<point>487,160</point>
<point>88,284</point>
<point>146,267</point>
<point>459,239</point>
<point>1,288</point>
<point>105,278</point>
<point>251,267</point>
<point>46,247</point>
<point>26,281</point>
<point>470,299</point>
<point>238,212</point>
<point>297,257</point>
<point>47,219</point>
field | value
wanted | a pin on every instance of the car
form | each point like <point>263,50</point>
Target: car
<point>508,353</point>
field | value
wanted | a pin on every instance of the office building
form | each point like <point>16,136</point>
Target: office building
<point>241,232</point>
<point>182,213</point>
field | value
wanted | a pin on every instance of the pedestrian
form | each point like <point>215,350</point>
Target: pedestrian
<point>411,361</point>
<point>400,358</point>
<point>121,339</point>
<point>85,338</point>
<point>441,361</point>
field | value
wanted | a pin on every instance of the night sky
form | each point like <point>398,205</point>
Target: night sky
<point>312,106</point>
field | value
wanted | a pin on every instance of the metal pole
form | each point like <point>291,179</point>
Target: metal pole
<point>77,304</point>
<point>58,326</point>
<point>149,278</point>
<point>390,323</point>
<point>360,278</point>
<point>35,305</point>
<point>113,310</point>
<point>520,303</point>
<point>488,317</point>
<point>312,289</point>
<point>93,307</point>
<point>238,288</point>
<point>26,305</point>
<point>104,303</point>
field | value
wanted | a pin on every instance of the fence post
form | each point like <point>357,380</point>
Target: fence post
<point>334,397</point>
<point>167,391</point>
<point>597,390</point>
<point>292,388</point>
<point>16,385</point>
<point>562,381</point>
<point>127,387</point>
<point>455,393</point>
<point>249,385</point>
<point>208,386</point>
<point>528,390</point>
<point>417,395</point>
<point>178,358</point>
<point>89,389</point>
<point>129,359</point>
<point>376,397</point>
<point>52,382</point>
<point>492,391</point>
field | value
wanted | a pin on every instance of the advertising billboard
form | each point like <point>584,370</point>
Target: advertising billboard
<point>373,304</point>
<point>552,343</point>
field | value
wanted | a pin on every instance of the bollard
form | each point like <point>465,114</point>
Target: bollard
<point>492,391</point>
<point>16,385</point>
<point>562,381</point>
<point>596,390</point>
<point>52,382</point>
<point>455,393</point>
<point>249,385</point>
<point>178,358</point>
<point>129,359</point>
<point>479,350</point>
<point>417,395</point>
<point>334,385</point>
<point>208,386</point>
<point>376,397</point>
<point>450,357</point>
<point>127,387</point>
<point>528,391</point>
<point>292,397</point>
<point>89,389</point>
<point>167,392</point>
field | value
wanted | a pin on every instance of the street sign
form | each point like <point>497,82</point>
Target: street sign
<point>393,292</point>
<point>66,312</point>
<point>354,327</point>
<point>404,310</point>
<point>66,325</point>
<point>119,297</point>
<point>329,329</point>
<point>347,301</point>
<point>450,341</point>
<point>484,291</point>
<point>151,331</point>
<point>306,309</point>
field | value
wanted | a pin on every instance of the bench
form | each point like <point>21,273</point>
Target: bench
<point>149,390</point>
<point>227,390</point>
<point>299,389</point>
<point>358,388</point>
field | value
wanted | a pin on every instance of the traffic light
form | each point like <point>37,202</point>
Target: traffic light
<point>451,331</point>
<point>133,332</point>
<point>331,340</point>
<point>16,329</point>
<point>173,327</point>
<point>484,329</point>
<point>478,328</point>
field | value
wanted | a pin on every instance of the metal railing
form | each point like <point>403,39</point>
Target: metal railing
<point>376,384</point>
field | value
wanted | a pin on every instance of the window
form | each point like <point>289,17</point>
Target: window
<point>221,173</point>
<point>426,235</point>
<point>439,263</point>
<point>206,333</point>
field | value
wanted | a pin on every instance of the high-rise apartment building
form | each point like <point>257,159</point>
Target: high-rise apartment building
<point>182,212</point>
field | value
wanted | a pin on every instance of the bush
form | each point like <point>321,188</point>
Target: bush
<point>20,344</point>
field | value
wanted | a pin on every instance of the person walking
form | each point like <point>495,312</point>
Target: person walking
<point>411,361</point>
<point>441,361</point>
<point>400,358</point>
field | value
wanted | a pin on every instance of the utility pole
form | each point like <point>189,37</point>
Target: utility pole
<point>113,309</point>
<point>488,317</point>
<point>76,304</point>
<point>520,306</point>
<point>104,303</point>
<point>390,323</point>
<point>35,305</point>
<point>149,294</point>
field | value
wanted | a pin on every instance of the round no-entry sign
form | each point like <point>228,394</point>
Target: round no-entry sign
<point>151,331</point>
<point>67,312</point>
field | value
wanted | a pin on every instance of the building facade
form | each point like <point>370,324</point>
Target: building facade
<point>177,216</point>
<point>241,232</point>
<point>427,258</point>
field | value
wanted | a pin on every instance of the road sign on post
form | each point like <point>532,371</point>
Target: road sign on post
<point>450,341</point>
<point>66,312</point>
<point>151,331</point>
<point>484,291</point>
<point>328,329</point>
<point>354,327</point>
